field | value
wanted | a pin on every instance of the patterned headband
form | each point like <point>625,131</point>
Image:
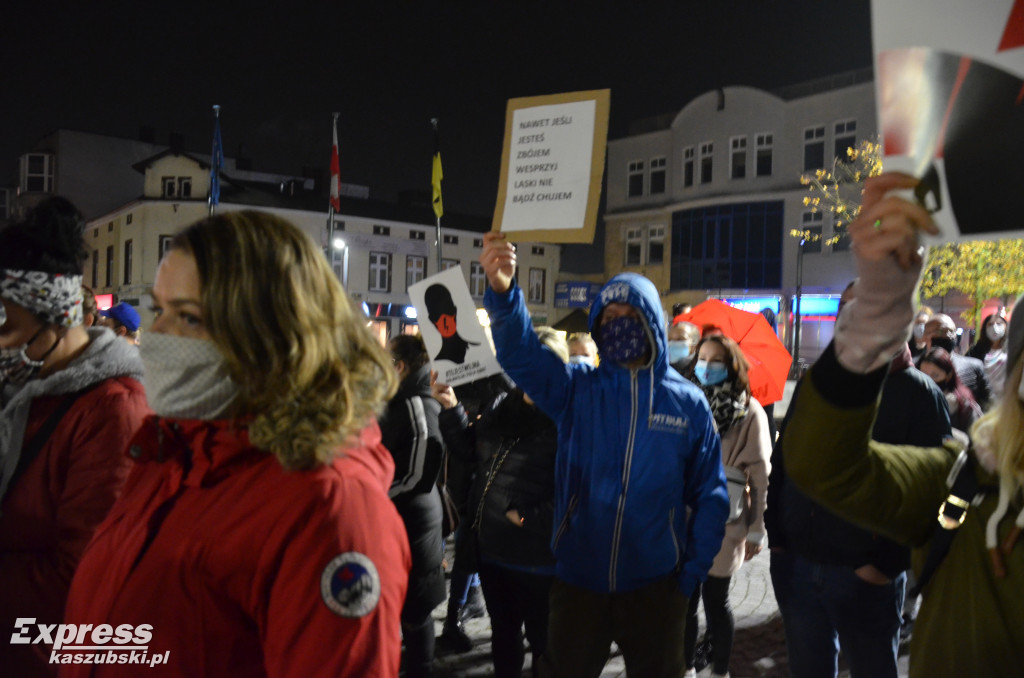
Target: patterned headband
<point>55,297</point>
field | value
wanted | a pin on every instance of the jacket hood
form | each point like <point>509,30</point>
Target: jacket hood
<point>641,294</point>
<point>415,384</point>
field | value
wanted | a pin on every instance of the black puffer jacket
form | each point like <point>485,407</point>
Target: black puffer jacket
<point>514,446</point>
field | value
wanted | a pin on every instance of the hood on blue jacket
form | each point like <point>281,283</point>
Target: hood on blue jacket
<point>641,294</point>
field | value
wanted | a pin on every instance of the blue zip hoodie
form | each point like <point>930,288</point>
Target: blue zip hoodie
<point>636,449</point>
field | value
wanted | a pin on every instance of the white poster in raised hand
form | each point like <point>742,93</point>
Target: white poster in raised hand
<point>951,108</point>
<point>456,342</point>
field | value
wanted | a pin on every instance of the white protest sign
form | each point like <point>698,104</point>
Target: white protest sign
<point>455,341</point>
<point>951,108</point>
<point>552,165</point>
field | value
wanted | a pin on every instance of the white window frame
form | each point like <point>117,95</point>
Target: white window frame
<point>814,135</point>
<point>814,222</point>
<point>46,174</point>
<point>841,130</point>
<point>635,169</point>
<point>477,279</point>
<point>659,165</point>
<point>449,263</point>
<point>169,187</point>
<point>380,265</point>
<point>634,237</point>
<point>707,152</point>
<point>184,187</point>
<point>737,147</point>
<point>764,141</point>
<point>655,235</point>
<point>538,281</point>
<point>415,269</point>
<point>689,160</point>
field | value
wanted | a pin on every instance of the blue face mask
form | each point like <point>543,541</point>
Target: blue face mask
<point>710,374</point>
<point>623,340</point>
<point>677,351</point>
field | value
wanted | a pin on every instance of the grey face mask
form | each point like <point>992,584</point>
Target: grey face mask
<point>185,378</point>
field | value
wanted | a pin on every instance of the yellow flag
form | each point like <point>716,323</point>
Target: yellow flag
<point>435,182</point>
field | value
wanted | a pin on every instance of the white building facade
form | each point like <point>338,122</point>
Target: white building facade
<point>704,206</point>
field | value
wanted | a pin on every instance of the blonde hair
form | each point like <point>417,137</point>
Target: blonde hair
<point>1002,429</point>
<point>310,373</point>
<point>551,338</point>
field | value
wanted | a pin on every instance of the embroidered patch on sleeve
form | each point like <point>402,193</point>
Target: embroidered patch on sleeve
<point>350,585</point>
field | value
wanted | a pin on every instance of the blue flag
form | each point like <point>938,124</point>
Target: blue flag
<point>216,162</point>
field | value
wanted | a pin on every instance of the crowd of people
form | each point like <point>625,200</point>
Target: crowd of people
<point>256,487</point>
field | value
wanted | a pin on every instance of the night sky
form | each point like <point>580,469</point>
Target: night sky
<point>389,67</point>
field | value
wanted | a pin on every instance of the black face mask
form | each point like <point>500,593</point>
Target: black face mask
<point>943,342</point>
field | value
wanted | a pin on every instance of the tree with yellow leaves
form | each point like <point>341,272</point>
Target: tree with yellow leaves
<point>838,190</point>
<point>980,269</point>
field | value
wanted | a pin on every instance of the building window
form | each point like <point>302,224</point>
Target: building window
<point>843,243</point>
<point>184,187</point>
<point>478,242</point>
<point>451,240</point>
<point>417,235</point>
<point>846,137</point>
<point>110,227</point>
<point>764,154</point>
<point>380,272</point>
<point>415,269</point>
<point>635,185</point>
<point>339,225</point>
<point>164,245</point>
<point>37,172</point>
<point>814,148</point>
<point>382,230</point>
<point>128,219</point>
<point>449,263</point>
<point>658,168</point>
<point>738,157</point>
<point>688,167</point>
<point>96,232</point>
<point>537,276</point>
<point>655,244</point>
<point>128,262</point>
<point>707,151</point>
<point>110,266</point>
<point>539,251</point>
<point>810,224</point>
<point>477,279</point>
<point>735,246</point>
<point>634,246</point>
<point>170,187</point>
<point>95,267</point>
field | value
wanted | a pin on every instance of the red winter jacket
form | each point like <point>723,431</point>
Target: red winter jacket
<point>50,512</point>
<point>241,568</point>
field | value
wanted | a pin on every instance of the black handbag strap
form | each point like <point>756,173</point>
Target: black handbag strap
<point>35,445</point>
<point>951,516</point>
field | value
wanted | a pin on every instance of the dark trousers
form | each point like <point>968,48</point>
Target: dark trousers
<point>646,624</point>
<point>721,625</point>
<point>515,599</point>
<point>828,607</point>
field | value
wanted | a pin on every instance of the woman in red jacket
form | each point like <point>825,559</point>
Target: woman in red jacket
<point>255,536</point>
<point>70,400</point>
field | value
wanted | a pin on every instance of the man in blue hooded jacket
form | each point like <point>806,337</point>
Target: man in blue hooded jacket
<point>640,495</point>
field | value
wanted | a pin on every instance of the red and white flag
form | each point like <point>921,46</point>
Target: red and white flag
<point>335,172</point>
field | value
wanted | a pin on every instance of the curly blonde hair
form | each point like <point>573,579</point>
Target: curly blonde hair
<point>311,375</point>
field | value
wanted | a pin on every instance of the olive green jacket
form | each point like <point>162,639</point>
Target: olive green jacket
<point>971,622</point>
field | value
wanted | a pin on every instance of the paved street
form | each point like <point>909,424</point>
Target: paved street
<point>759,650</point>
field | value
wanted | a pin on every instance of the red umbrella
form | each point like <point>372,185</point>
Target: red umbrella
<point>769,360</point>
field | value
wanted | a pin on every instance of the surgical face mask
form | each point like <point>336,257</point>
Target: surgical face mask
<point>16,367</point>
<point>995,331</point>
<point>918,331</point>
<point>185,378</point>
<point>678,351</point>
<point>710,374</point>
<point>581,360</point>
<point>623,340</point>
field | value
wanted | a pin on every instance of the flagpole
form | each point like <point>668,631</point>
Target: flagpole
<point>330,203</point>
<point>215,161</point>
<point>436,184</point>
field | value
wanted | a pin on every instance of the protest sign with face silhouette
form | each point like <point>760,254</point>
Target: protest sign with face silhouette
<point>951,108</point>
<point>455,340</point>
